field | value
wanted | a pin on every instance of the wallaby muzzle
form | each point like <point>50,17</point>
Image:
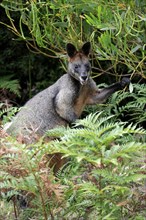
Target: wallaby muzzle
<point>83,79</point>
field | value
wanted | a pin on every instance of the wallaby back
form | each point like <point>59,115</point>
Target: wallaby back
<point>63,102</point>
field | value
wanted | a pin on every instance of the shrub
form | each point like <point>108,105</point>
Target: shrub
<point>102,179</point>
<point>116,30</point>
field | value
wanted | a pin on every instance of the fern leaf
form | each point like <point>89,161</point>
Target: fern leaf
<point>6,82</point>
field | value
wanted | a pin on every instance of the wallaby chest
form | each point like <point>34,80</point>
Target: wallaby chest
<point>81,100</point>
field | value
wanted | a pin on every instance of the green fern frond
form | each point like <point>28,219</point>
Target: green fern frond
<point>93,121</point>
<point>127,105</point>
<point>96,138</point>
<point>105,163</point>
<point>119,96</point>
<point>56,132</point>
<point>8,113</point>
<point>6,82</point>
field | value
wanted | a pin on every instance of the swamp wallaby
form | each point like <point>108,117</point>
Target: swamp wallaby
<point>63,102</point>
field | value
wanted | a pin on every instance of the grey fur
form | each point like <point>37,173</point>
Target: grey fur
<point>63,102</point>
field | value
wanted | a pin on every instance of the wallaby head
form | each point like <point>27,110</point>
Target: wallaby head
<point>79,66</point>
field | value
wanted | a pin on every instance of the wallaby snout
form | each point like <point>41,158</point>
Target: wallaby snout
<point>83,78</point>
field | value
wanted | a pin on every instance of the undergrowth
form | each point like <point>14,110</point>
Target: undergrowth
<point>102,177</point>
<point>128,106</point>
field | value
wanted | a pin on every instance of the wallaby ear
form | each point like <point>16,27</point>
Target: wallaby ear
<point>71,50</point>
<point>86,48</point>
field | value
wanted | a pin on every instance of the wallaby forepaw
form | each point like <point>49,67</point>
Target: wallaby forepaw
<point>125,81</point>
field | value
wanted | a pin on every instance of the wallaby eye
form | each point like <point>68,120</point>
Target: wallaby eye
<point>87,67</point>
<point>77,66</point>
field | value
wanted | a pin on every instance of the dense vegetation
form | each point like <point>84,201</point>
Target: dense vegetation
<point>104,166</point>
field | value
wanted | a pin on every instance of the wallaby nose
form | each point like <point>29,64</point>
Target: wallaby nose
<point>84,77</point>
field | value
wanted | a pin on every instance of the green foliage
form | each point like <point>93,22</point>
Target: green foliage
<point>33,72</point>
<point>7,113</point>
<point>103,177</point>
<point>6,82</point>
<point>23,174</point>
<point>116,29</point>
<point>6,211</point>
<point>128,105</point>
<point>104,167</point>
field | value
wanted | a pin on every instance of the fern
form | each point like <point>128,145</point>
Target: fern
<point>104,173</point>
<point>6,82</point>
<point>8,113</point>
<point>127,106</point>
<point>116,164</point>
